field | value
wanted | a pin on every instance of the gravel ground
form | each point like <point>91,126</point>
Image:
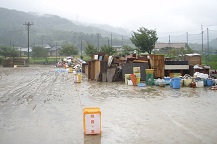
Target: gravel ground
<point>40,105</point>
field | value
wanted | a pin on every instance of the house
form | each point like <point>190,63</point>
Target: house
<point>54,51</point>
<point>159,46</point>
<point>23,51</point>
<point>118,48</point>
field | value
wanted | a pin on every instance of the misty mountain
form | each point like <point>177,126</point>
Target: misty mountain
<point>198,47</point>
<point>49,29</point>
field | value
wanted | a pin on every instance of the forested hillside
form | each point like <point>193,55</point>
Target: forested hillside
<point>49,29</point>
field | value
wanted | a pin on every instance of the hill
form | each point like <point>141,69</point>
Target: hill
<point>198,47</point>
<point>49,29</point>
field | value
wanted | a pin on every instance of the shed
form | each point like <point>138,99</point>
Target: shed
<point>193,59</point>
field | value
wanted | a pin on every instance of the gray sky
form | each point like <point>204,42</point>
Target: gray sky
<point>166,16</point>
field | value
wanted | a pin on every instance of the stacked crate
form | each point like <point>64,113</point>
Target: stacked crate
<point>137,73</point>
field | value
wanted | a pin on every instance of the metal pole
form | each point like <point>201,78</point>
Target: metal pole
<point>56,52</point>
<point>81,49</point>
<point>187,38</point>
<point>98,41</point>
<point>111,39</point>
<point>208,43</point>
<point>202,37</point>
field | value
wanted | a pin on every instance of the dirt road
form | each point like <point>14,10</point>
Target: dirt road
<point>40,105</point>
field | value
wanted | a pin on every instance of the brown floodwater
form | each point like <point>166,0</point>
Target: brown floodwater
<point>38,104</point>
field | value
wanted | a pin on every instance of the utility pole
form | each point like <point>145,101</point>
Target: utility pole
<point>169,47</point>
<point>202,37</point>
<point>111,39</point>
<point>28,24</point>
<point>208,43</point>
<point>187,37</point>
<point>98,41</point>
<point>81,49</point>
<point>108,41</point>
<point>122,40</point>
<point>42,40</point>
<point>56,52</point>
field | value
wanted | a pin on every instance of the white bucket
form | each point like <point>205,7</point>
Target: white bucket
<point>215,81</point>
<point>199,84</point>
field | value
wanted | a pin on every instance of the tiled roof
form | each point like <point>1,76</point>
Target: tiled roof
<point>172,45</point>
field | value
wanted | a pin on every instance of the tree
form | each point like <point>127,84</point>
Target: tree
<point>126,50</point>
<point>189,50</point>
<point>69,49</point>
<point>8,51</point>
<point>90,50</point>
<point>109,50</point>
<point>39,52</point>
<point>144,39</point>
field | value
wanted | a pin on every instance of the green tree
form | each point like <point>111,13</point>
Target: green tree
<point>109,50</point>
<point>69,49</point>
<point>6,51</point>
<point>144,39</point>
<point>126,50</point>
<point>189,50</point>
<point>90,50</point>
<point>39,52</point>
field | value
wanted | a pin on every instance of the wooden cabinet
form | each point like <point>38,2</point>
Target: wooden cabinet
<point>157,63</point>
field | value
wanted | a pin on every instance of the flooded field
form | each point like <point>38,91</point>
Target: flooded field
<point>40,105</point>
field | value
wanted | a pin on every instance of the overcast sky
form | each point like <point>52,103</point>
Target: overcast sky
<point>166,16</point>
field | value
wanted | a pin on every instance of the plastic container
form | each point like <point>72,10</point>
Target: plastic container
<point>215,81</point>
<point>199,84</point>
<point>167,80</point>
<point>137,80</point>
<point>156,82</point>
<point>176,83</point>
<point>187,82</point>
<point>171,83</point>
<point>133,79</point>
<point>149,71</point>
<point>129,82</point>
<point>92,120</point>
<point>181,82</point>
<point>204,82</point>
<point>126,78</point>
<point>70,70</point>
<point>202,75</point>
<point>136,69</point>
<point>77,78</point>
<point>209,82</point>
<point>149,79</point>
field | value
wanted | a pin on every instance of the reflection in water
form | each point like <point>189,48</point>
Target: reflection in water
<point>92,139</point>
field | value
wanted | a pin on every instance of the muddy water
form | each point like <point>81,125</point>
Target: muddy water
<point>40,105</point>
